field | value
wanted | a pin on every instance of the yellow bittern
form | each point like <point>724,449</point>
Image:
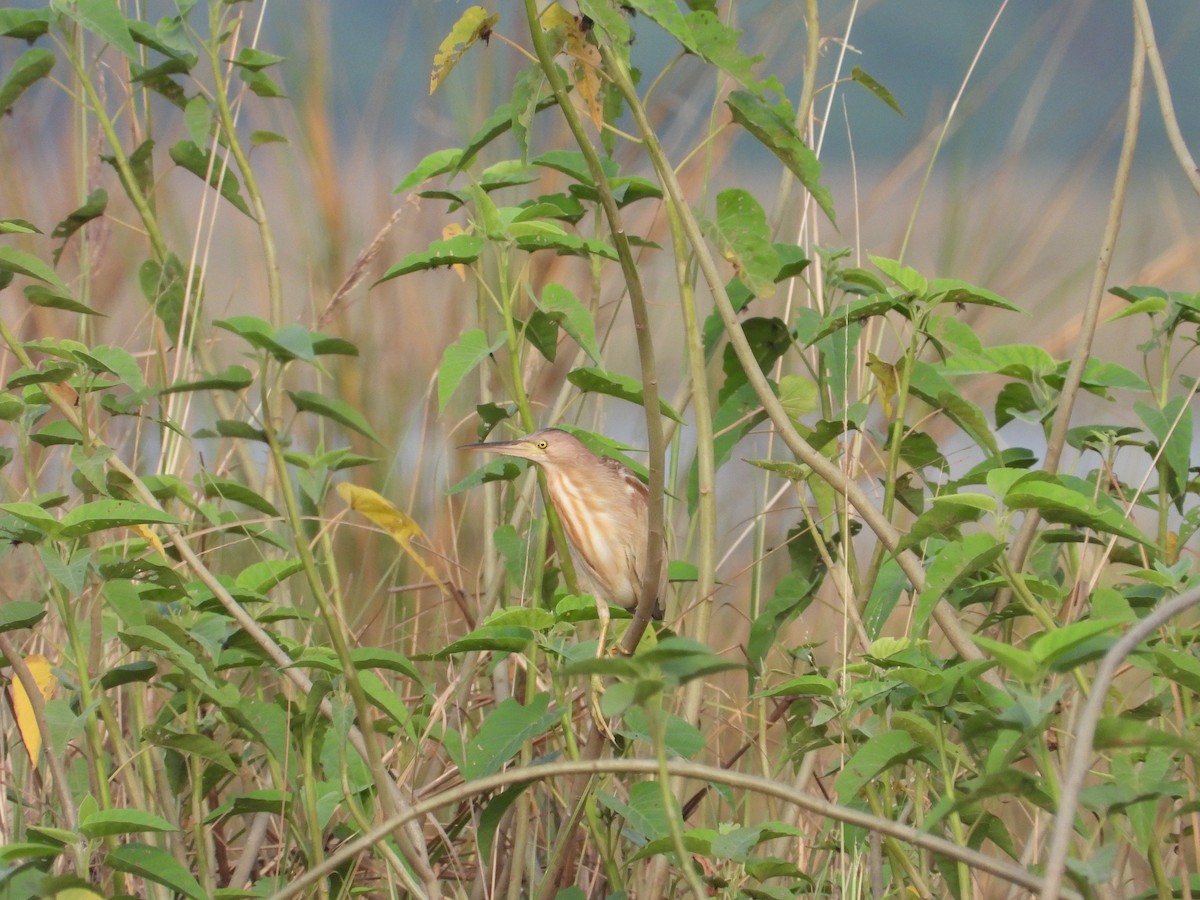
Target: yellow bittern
<point>603,509</point>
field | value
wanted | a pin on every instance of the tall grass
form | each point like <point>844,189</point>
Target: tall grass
<point>254,690</point>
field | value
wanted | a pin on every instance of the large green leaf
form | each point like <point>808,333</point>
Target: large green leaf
<point>743,237</point>
<point>215,172</point>
<point>16,614</point>
<point>156,865</point>
<point>31,66</point>
<point>772,125</point>
<point>458,250</point>
<point>107,822</point>
<point>332,408</point>
<point>955,563</point>
<point>1057,502</point>
<point>504,731</point>
<point>565,308</point>
<point>22,263</point>
<point>601,381</point>
<point>873,757</point>
<point>103,514</point>
<point>460,360</point>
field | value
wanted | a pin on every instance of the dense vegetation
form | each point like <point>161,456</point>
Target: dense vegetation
<point>266,634</point>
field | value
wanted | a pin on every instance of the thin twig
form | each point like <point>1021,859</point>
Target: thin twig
<point>1085,732</point>
<point>1091,312</point>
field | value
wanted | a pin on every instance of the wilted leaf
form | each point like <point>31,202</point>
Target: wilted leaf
<point>474,25</point>
<point>43,675</point>
<point>403,529</point>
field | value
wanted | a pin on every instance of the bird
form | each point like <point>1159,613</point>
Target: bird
<point>604,509</point>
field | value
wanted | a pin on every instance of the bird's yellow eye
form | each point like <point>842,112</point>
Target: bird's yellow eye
<point>542,445</point>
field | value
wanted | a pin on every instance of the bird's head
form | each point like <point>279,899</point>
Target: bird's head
<point>550,447</point>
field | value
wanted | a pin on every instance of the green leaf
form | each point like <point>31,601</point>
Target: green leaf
<point>228,489</point>
<point>493,126</point>
<point>58,433</point>
<point>382,696</point>
<point>533,618</point>
<point>156,865</point>
<point>100,515</point>
<point>31,66</point>
<point>233,378</point>
<point>716,42</point>
<point>953,565</point>
<point>56,298</point>
<point>214,172</point>
<point>601,381</point>
<point>793,594</point>
<point>1020,663</point>
<point>875,756</point>
<point>1056,502</point>
<point>92,208</point>
<point>260,138</point>
<point>260,577</point>
<point>609,20</point>
<point>437,163</point>
<point>107,822</point>
<point>565,308</point>
<point>494,640</point>
<point>163,285</point>
<point>951,290</point>
<point>24,24</point>
<point>1172,428</point>
<point>504,731</point>
<point>458,250</point>
<point>129,673</point>
<point>802,686</point>
<point>564,244</point>
<point>682,738</point>
<point>460,360</point>
<point>905,276</point>
<point>102,18</point>
<point>35,515</point>
<point>16,614</point>
<point>256,60</point>
<point>1052,645</point>
<point>338,410</point>
<point>743,238</point>
<point>861,77</point>
<point>12,260</point>
<point>492,815</point>
<point>927,384</point>
<point>772,126</point>
<point>494,470</point>
<point>377,658</point>
<point>285,344</point>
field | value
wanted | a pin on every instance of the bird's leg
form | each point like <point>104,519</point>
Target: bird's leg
<point>605,619</point>
<point>597,686</point>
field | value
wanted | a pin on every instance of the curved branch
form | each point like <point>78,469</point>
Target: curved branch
<point>1170,121</point>
<point>818,806</point>
<point>1085,732</point>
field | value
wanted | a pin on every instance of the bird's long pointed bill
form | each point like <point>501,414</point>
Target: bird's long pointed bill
<point>509,448</point>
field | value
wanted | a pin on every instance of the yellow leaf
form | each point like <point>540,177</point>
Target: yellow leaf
<point>152,540</point>
<point>31,737</point>
<point>383,513</point>
<point>554,16</point>
<point>474,25</point>
<point>885,375</point>
<point>585,71</point>
<point>452,230</point>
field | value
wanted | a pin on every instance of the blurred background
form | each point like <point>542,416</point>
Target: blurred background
<point>1015,202</point>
